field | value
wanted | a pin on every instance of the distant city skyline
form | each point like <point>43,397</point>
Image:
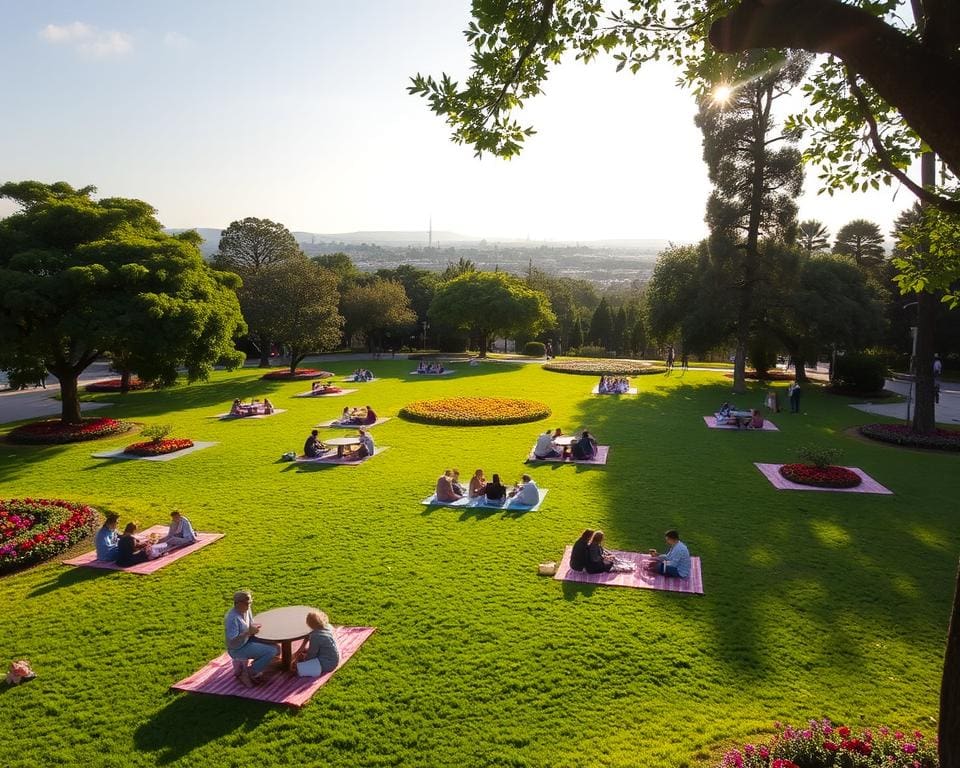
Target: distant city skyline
<point>299,113</point>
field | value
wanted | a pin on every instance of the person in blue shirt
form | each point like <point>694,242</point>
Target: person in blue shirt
<point>242,643</point>
<point>320,643</point>
<point>107,539</point>
<point>180,533</point>
<point>675,562</point>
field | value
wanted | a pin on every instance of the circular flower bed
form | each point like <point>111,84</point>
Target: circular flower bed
<point>54,432</point>
<point>474,411</point>
<point>770,376</point>
<point>116,385</point>
<point>158,447</point>
<point>900,434</point>
<point>600,367</point>
<point>33,530</point>
<point>821,477</point>
<point>301,373</point>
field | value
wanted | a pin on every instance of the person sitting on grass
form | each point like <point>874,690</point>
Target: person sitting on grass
<point>600,560</point>
<point>495,491</point>
<point>267,405</point>
<point>107,539</point>
<point>370,418</point>
<point>557,433</point>
<point>478,484</point>
<point>457,485</point>
<point>366,444</point>
<point>756,420</point>
<point>585,448</point>
<point>545,449</point>
<point>129,550</point>
<point>320,644</point>
<point>446,493</point>
<point>578,553</point>
<point>180,533</point>
<point>526,493</point>
<point>676,561</point>
<point>421,367</point>
<point>312,448</point>
<point>236,409</point>
<point>242,644</point>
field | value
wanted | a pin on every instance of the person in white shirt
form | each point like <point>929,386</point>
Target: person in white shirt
<point>545,449</point>
<point>180,533</point>
<point>526,492</point>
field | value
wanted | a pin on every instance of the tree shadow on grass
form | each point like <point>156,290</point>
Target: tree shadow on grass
<point>194,720</point>
<point>69,577</point>
<point>16,460</point>
<point>574,589</point>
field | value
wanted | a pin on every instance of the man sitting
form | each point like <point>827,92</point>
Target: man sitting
<point>545,449</point>
<point>312,448</point>
<point>676,561</point>
<point>107,539</point>
<point>585,448</point>
<point>445,491</point>
<point>366,444</point>
<point>526,492</point>
<point>180,533</point>
<point>370,418</point>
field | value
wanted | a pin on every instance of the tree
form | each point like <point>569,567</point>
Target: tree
<point>576,335</point>
<point>342,266</point>
<point>813,236</point>
<point>487,303</point>
<point>419,284</point>
<point>252,247</point>
<point>305,294</point>
<point>601,325</point>
<point>83,278</point>
<point>620,338</point>
<point>862,241</point>
<point>457,268</point>
<point>375,308</point>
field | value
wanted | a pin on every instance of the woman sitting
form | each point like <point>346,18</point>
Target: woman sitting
<point>267,405</point>
<point>457,485</point>
<point>320,644</point>
<point>236,408</point>
<point>446,493</point>
<point>129,550</point>
<point>602,386</point>
<point>495,490</point>
<point>369,418</point>
<point>366,444</point>
<point>578,553</point>
<point>421,367</point>
<point>585,448</point>
<point>601,561</point>
<point>756,420</point>
<point>478,484</point>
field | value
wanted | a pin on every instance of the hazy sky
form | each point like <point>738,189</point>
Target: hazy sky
<point>297,111</point>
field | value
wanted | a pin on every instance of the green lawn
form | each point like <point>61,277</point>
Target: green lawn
<point>816,603</point>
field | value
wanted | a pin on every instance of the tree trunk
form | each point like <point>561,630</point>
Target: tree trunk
<point>924,418</point>
<point>483,344</point>
<point>295,359</point>
<point>124,381</point>
<point>739,368</point>
<point>265,353</point>
<point>69,397</point>
<point>949,726</point>
<point>800,370</point>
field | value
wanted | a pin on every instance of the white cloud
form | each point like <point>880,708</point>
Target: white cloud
<point>178,41</point>
<point>88,40</point>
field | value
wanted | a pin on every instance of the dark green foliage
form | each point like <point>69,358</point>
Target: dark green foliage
<point>813,235</point>
<point>534,349</point>
<point>860,240</point>
<point>859,372</point>
<point>373,309</point>
<point>601,325</point>
<point>899,434</point>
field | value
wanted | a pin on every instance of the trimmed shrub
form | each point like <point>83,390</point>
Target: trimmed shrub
<point>116,385</point>
<point>54,432</point>
<point>589,350</point>
<point>900,434</point>
<point>474,411</point>
<point>534,349</point>
<point>819,456</point>
<point>859,372</point>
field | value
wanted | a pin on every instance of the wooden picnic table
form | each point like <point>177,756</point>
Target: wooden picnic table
<point>284,625</point>
<point>341,443</point>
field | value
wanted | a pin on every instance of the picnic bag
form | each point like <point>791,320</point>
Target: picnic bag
<point>289,456</point>
<point>309,668</point>
<point>547,569</point>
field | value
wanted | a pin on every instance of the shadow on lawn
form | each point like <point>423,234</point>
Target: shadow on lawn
<point>69,577</point>
<point>16,460</point>
<point>193,720</point>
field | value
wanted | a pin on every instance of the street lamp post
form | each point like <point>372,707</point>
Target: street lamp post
<point>913,358</point>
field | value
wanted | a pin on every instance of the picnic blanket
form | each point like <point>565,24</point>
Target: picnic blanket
<point>230,416</point>
<point>596,391</point>
<point>311,393</point>
<point>638,578</point>
<point>600,458</point>
<point>119,454</point>
<point>768,426</point>
<point>481,501</point>
<point>424,373</point>
<point>352,380</point>
<point>281,687</point>
<point>330,457</point>
<point>336,423</point>
<point>867,483</point>
<point>89,559</point>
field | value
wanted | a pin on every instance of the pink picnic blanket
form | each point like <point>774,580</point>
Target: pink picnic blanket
<point>89,559</point>
<point>867,483</point>
<point>600,458</point>
<point>768,426</point>
<point>639,578</point>
<point>281,687</point>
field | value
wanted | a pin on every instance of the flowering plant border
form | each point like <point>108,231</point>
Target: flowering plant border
<point>54,432</point>
<point>62,524</point>
<point>116,385</point>
<point>900,434</point>
<point>475,411</point>
<point>301,373</point>
<point>601,367</point>
<point>821,477</point>
<point>158,447</point>
<point>823,745</point>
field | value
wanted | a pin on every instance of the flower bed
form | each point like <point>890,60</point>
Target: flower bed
<point>823,745</point>
<point>158,447</point>
<point>301,373</point>
<point>821,477</point>
<point>53,432</point>
<point>600,367</point>
<point>116,385</point>
<point>900,434</point>
<point>34,530</point>
<point>474,411</point>
<point>770,376</point>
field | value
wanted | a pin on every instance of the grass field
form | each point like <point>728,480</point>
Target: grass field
<point>816,603</point>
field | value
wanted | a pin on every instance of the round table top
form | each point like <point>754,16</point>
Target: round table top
<point>342,441</point>
<point>287,623</point>
<point>565,440</point>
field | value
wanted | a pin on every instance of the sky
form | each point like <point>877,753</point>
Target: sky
<point>297,111</point>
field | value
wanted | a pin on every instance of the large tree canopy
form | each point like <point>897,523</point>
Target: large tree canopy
<point>82,278</point>
<point>376,308</point>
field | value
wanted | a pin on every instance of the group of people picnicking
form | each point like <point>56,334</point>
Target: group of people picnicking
<point>424,367</point>
<point>588,554</point>
<point>314,447</point>
<point>322,388</point>
<point>364,416</point>
<point>254,408</point>
<point>449,489</point>
<point>126,549</point>
<point>613,385</point>
<point>583,448</point>
<point>244,646</point>
<point>362,374</point>
<point>742,419</point>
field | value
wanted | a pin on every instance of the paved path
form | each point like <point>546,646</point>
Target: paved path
<point>39,403</point>
<point>947,410</point>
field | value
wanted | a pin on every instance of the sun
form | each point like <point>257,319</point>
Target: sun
<point>722,94</point>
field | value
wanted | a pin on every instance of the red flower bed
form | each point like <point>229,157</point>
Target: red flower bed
<point>55,432</point>
<point>771,376</point>
<point>821,477</point>
<point>900,434</point>
<point>115,385</point>
<point>33,530</point>
<point>158,447</point>
<point>301,373</point>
